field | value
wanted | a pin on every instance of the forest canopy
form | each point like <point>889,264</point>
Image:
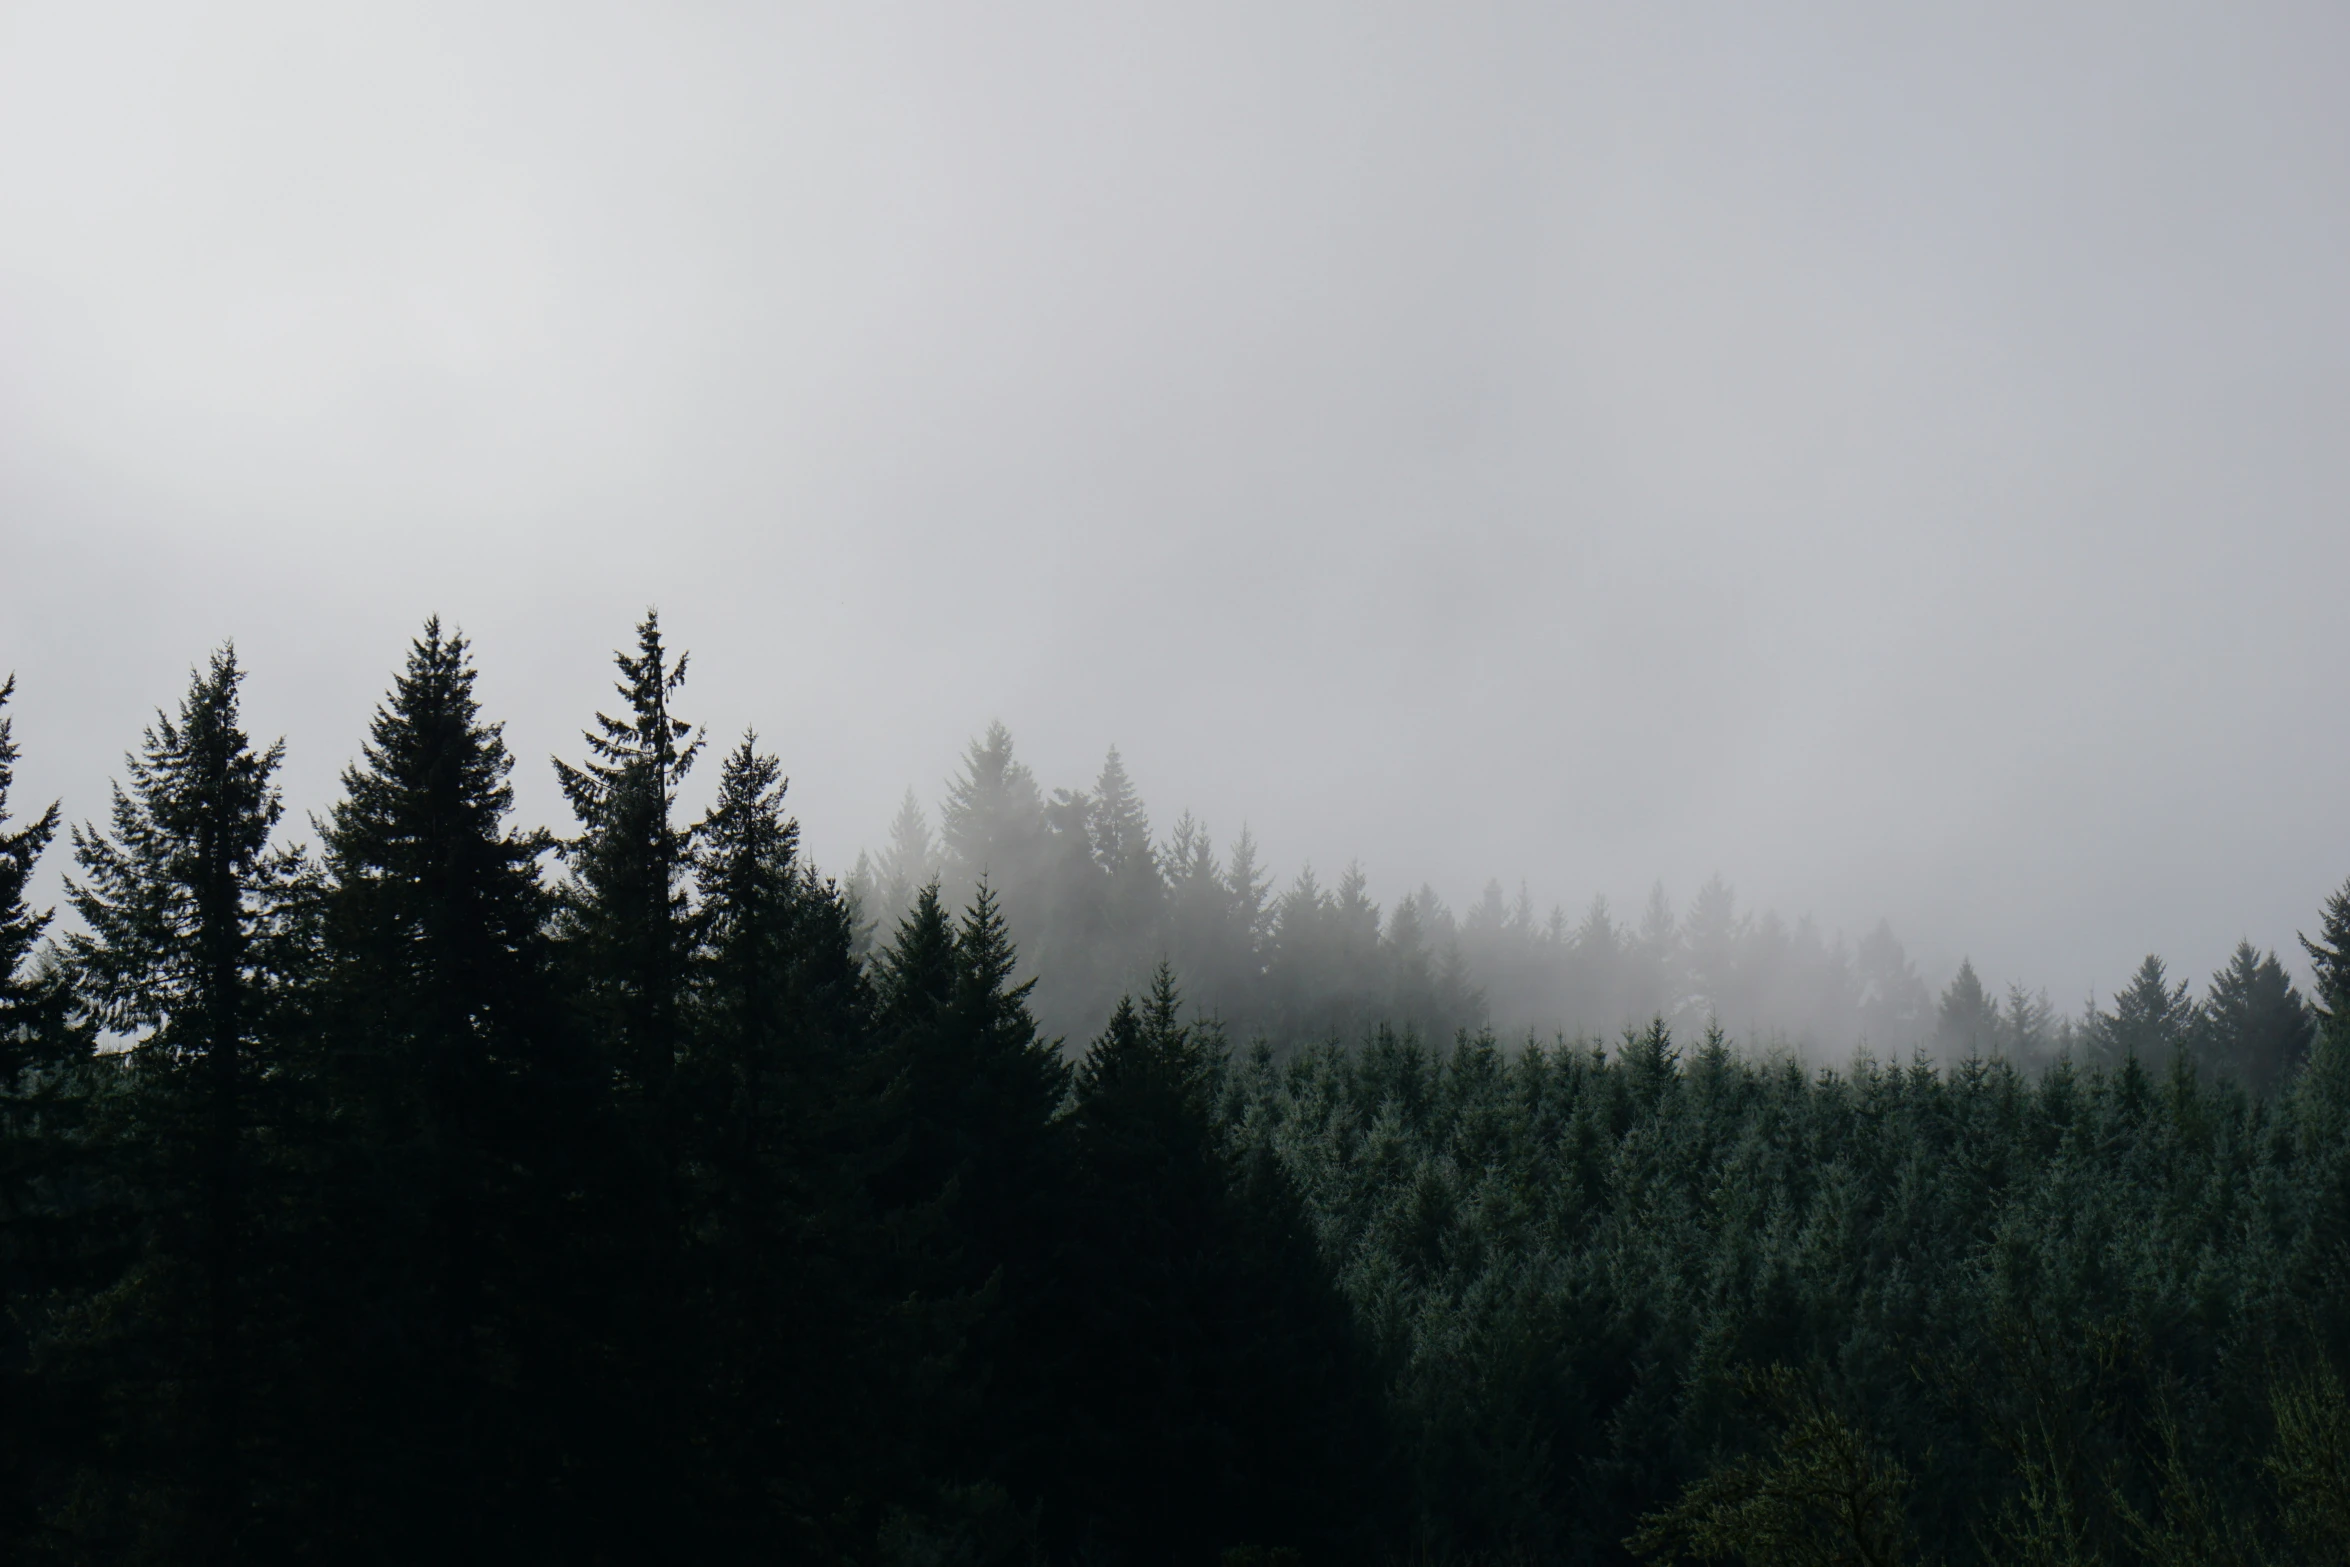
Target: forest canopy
<point>450,1188</point>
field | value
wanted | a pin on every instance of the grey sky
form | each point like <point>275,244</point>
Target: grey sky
<point>1897,460</point>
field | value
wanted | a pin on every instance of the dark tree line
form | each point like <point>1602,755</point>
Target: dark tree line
<point>454,1191</point>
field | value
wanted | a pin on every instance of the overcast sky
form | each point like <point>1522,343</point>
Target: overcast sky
<point>1899,461</point>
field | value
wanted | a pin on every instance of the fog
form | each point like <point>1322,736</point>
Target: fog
<point>1891,462</point>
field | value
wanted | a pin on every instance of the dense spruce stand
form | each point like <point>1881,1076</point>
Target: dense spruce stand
<point>454,1191</point>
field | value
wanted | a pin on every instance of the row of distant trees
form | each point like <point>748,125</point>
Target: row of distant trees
<point>2252,1023</point>
<point>1096,901</point>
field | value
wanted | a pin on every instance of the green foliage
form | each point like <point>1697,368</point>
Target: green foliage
<point>1573,1260</point>
<point>1822,1497</point>
<point>2253,1025</point>
<point>2310,1462</point>
<point>407,1207</point>
<point>2152,1020</point>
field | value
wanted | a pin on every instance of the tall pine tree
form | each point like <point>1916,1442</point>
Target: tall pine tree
<point>1968,1025</point>
<point>2253,1025</point>
<point>2152,1019</point>
<point>1134,892</point>
<point>44,1175</point>
<point>992,821</point>
<point>193,946</point>
<point>969,1092</point>
<point>782,1319</point>
<point>623,915</point>
<point>625,940</point>
<point>435,924</point>
<point>1212,1400</point>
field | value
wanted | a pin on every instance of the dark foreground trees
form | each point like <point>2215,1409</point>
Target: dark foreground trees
<point>421,1200</point>
<point>198,936</point>
<point>401,1202</point>
<point>432,1035</point>
<point>1192,1292</point>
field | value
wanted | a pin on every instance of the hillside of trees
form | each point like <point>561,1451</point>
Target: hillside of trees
<point>451,1190</point>
<point>1095,904</point>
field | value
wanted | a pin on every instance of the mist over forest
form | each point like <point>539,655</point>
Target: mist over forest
<point>1097,903</point>
<point>1862,488</point>
<point>456,1189</point>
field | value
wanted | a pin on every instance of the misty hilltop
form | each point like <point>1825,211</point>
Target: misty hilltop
<point>1097,904</point>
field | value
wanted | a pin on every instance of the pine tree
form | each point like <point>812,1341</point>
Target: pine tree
<point>28,1002</point>
<point>2253,1025</point>
<point>970,1092</point>
<point>1893,1007</point>
<point>783,1003</point>
<point>1498,946</point>
<point>1121,827</point>
<point>1015,1078</point>
<point>1659,964</point>
<point>1713,935</point>
<point>749,878</point>
<point>993,816</point>
<point>1968,1024</point>
<point>1296,956</point>
<point>1201,936</point>
<point>910,863</point>
<point>2023,1025</point>
<point>1249,888</point>
<point>625,938</point>
<point>624,913</point>
<point>193,941</point>
<point>1358,971</point>
<point>1145,1426</point>
<point>1135,890</point>
<point>43,1165</point>
<point>1411,994</point>
<point>2329,956</point>
<point>2151,1021</point>
<point>917,973</point>
<point>781,1311</point>
<point>435,921</point>
<point>1212,1399</point>
<point>1064,909</point>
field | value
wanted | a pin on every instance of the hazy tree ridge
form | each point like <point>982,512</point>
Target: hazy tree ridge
<point>1096,903</point>
<point>455,1191</point>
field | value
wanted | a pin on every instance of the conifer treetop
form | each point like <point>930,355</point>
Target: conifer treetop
<point>650,742</point>
<point>428,750</point>
<point>187,865</point>
<point>2329,955</point>
<point>20,851</point>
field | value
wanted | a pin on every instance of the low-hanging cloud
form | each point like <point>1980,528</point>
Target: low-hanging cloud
<point>1889,460</point>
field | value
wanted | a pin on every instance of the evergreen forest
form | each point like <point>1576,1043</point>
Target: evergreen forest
<point>434,1187</point>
